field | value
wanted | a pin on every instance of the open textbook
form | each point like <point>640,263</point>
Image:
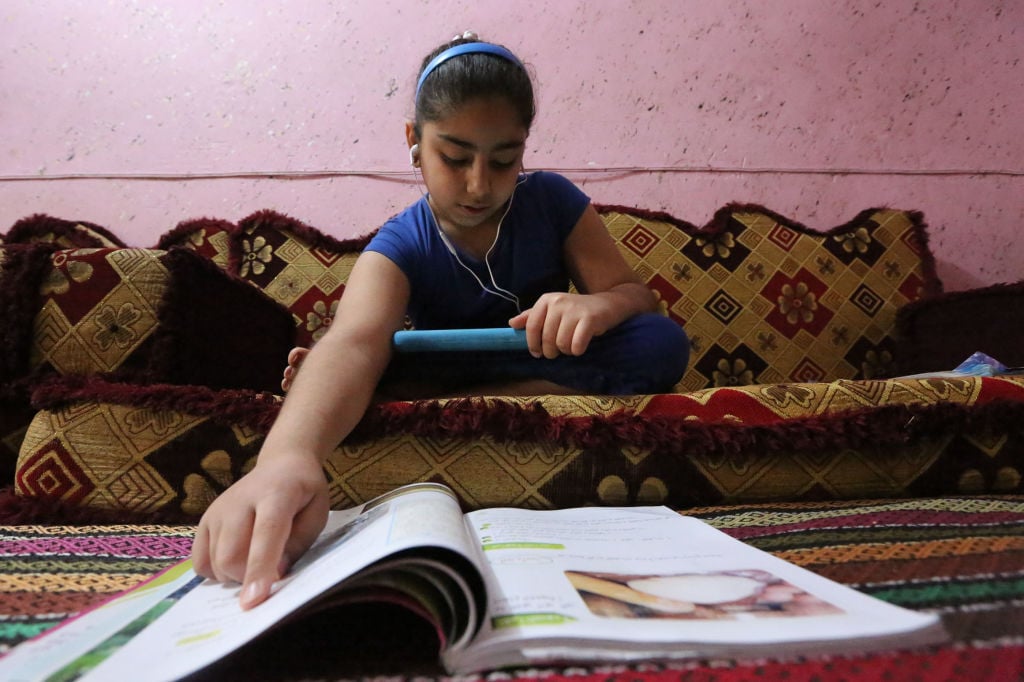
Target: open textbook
<point>502,587</point>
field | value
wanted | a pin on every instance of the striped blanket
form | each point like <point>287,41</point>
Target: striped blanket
<point>962,557</point>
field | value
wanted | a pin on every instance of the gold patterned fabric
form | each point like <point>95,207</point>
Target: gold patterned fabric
<point>840,440</point>
<point>298,266</point>
<point>765,300</point>
<point>210,238</point>
<point>98,307</point>
<point>131,459</point>
<point>142,315</point>
<point>655,459</point>
<point>151,315</point>
<point>785,398</point>
<point>65,234</point>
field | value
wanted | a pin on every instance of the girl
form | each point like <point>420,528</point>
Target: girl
<point>487,246</point>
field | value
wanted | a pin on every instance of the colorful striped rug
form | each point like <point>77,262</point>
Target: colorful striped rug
<point>962,557</point>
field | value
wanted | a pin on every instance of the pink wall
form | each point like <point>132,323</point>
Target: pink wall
<point>813,109</point>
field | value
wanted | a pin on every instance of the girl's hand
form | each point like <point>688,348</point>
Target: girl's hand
<point>610,292</point>
<point>255,529</point>
<point>561,323</point>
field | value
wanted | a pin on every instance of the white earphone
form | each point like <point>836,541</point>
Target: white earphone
<point>497,290</point>
<point>414,157</point>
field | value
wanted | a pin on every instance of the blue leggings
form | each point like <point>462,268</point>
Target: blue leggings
<point>645,354</point>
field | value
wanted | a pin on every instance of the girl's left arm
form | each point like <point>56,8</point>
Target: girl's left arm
<point>596,266</point>
<point>610,292</point>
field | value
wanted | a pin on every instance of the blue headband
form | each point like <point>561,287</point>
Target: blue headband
<point>466,48</point>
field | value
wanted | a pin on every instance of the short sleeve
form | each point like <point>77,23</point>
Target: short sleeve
<point>564,201</point>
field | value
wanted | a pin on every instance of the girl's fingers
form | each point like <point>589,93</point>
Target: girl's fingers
<point>229,548</point>
<point>552,329</point>
<point>201,552</point>
<point>266,551</point>
<point>535,328</point>
<point>579,339</point>
<point>570,330</point>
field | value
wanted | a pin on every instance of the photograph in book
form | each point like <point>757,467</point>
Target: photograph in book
<point>731,595</point>
<point>500,587</point>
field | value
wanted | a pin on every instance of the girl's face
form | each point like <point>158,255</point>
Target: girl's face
<point>470,162</point>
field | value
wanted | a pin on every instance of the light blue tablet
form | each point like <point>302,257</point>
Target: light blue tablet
<point>424,340</point>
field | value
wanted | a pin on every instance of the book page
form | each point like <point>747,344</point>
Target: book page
<point>203,622</point>
<point>72,644</point>
<point>622,583</point>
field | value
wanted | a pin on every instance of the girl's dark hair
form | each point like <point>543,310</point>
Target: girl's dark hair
<point>469,76</point>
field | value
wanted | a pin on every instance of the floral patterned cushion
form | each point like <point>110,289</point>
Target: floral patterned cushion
<point>42,228</point>
<point>144,315</point>
<point>175,448</point>
<point>766,300</point>
<point>298,266</point>
<point>208,237</point>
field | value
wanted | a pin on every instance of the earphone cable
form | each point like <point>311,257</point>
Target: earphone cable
<point>498,291</point>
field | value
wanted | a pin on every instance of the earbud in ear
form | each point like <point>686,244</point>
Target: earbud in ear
<point>414,154</point>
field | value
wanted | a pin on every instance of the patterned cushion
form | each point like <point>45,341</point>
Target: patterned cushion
<point>148,449</point>
<point>15,416</point>
<point>766,300</point>
<point>66,234</point>
<point>21,268</point>
<point>782,319</point>
<point>152,456</point>
<point>300,267</point>
<point>939,332</point>
<point>208,237</point>
<point>152,315</point>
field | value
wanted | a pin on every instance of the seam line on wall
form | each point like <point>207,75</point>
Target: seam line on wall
<point>589,170</point>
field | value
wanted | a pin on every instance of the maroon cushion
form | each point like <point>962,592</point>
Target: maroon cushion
<point>939,332</point>
<point>297,265</point>
<point>64,233</point>
<point>209,237</point>
<point>22,269</point>
<point>140,314</point>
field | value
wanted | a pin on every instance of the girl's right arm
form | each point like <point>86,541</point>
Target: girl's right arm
<point>265,521</point>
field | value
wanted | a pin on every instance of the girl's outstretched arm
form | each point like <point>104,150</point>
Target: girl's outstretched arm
<point>264,522</point>
<point>610,292</point>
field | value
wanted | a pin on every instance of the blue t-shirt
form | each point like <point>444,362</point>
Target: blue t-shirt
<point>527,259</point>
